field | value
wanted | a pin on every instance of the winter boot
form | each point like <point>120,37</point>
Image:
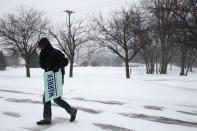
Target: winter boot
<point>73,115</point>
<point>43,122</point>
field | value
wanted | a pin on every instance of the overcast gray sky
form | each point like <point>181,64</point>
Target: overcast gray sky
<point>55,8</point>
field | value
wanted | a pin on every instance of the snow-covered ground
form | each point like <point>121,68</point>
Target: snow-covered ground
<point>106,100</point>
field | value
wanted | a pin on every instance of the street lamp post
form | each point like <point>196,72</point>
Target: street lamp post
<point>69,12</point>
<point>70,42</point>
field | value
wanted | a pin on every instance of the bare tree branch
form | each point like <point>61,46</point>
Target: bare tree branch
<point>20,32</point>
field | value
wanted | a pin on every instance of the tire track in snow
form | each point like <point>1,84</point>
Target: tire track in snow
<point>29,101</point>
<point>18,92</point>
<point>160,119</point>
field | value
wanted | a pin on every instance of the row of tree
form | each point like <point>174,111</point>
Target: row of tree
<point>172,30</point>
<point>20,31</point>
<point>158,30</point>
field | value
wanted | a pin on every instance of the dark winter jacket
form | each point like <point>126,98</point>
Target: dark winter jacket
<point>51,59</point>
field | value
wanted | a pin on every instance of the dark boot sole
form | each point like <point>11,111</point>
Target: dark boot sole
<point>43,123</point>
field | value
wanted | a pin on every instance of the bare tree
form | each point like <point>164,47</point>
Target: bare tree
<point>175,23</point>
<point>120,34</point>
<point>78,37</point>
<point>149,53</point>
<point>186,10</point>
<point>184,25</point>
<point>166,28</point>
<point>164,18</point>
<point>20,32</point>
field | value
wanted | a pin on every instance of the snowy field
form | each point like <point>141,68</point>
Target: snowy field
<point>105,99</point>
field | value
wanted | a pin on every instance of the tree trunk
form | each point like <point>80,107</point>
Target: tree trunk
<point>164,63</point>
<point>71,68</point>
<point>146,62</point>
<point>163,68</point>
<point>27,69</point>
<point>156,63</point>
<point>183,59</point>
<point>127,64</point>
<point>147,69</point>
<point>152,68</point>
<point>147,65</point>
<point>127,69</point>
<point>27,72</point>
<point>182,73</point>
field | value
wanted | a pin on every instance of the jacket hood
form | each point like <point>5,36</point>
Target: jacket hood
<point>46,43</point>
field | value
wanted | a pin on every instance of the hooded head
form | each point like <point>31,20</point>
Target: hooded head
<point>44,44</point>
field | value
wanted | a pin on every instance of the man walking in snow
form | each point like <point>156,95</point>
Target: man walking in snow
<point>52,60</point>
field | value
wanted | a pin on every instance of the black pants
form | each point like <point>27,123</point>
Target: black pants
<point>47,107</point>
